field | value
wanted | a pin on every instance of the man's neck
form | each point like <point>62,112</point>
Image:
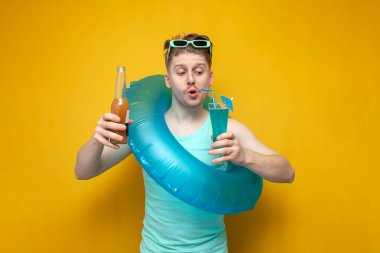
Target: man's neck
<point>185,120</point>
<point>186,116</point>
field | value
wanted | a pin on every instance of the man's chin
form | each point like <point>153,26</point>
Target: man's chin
<point>195,103</point>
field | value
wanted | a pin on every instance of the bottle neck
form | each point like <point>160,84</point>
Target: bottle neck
<point>120,84</point>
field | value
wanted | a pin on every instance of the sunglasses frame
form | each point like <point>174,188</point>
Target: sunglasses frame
<point>172,45</point>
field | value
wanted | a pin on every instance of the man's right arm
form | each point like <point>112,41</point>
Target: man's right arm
<point>99,154</point>
<point>94,158</point>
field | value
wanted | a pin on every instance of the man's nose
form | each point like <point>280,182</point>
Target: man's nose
<point>190,79</point>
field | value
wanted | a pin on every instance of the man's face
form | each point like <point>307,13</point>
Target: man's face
<point>188,73</point>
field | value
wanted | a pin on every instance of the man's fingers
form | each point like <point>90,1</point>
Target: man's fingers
<point>110,117</point>
<point>108,134</point>
<point>227,135</point>
<point>223,143</point>
<point>99,138</point>
<point>112,126</point>
<point>104,131</point>
<point>221,159</point>
<point>220,151</point>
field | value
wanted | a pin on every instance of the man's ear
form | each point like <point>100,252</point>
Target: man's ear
<point>167,81</point>
<point>211,78</point>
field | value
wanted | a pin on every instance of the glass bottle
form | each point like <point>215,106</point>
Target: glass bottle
<point>120,105</point>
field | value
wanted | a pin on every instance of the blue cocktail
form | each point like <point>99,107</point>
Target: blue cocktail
<point>219,119</point>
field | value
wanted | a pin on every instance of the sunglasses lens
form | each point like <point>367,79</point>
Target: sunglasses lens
<point>180,43</point>
<point>200,43</point>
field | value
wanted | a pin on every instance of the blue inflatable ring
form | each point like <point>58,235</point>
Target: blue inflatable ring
<point>173,167</point>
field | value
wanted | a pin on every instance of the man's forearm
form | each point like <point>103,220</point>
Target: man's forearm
<point>88,160</point>
<point>275,168</point>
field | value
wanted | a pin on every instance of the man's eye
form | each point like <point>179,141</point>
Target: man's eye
<point>181,73</point>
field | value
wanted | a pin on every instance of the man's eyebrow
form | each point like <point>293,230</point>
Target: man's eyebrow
<point>184,65</point>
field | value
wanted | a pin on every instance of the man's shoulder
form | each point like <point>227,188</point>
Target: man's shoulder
<point>234,124</point>
<point>240,130</point>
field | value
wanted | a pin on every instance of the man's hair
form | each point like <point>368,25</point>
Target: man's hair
<point>205,52</point>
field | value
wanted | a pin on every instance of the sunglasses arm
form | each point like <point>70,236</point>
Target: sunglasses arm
<point>167,55</point>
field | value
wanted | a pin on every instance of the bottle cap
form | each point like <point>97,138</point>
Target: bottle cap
<point>120,68</point>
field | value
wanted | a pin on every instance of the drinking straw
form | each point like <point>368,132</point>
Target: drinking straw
<point>212,94</point>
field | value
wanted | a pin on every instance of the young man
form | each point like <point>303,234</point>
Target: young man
<point>171,225</point>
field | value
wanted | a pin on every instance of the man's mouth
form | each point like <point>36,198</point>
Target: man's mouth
<point>193,91</point>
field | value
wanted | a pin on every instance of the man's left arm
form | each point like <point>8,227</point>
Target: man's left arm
<point>241,147</point>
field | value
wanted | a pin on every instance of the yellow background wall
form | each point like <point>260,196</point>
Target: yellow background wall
<point>305,78</point>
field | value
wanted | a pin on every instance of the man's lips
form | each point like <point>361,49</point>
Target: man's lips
<point>192,91</point>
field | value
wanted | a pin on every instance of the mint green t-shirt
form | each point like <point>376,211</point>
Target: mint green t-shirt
<point>171,225</point>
